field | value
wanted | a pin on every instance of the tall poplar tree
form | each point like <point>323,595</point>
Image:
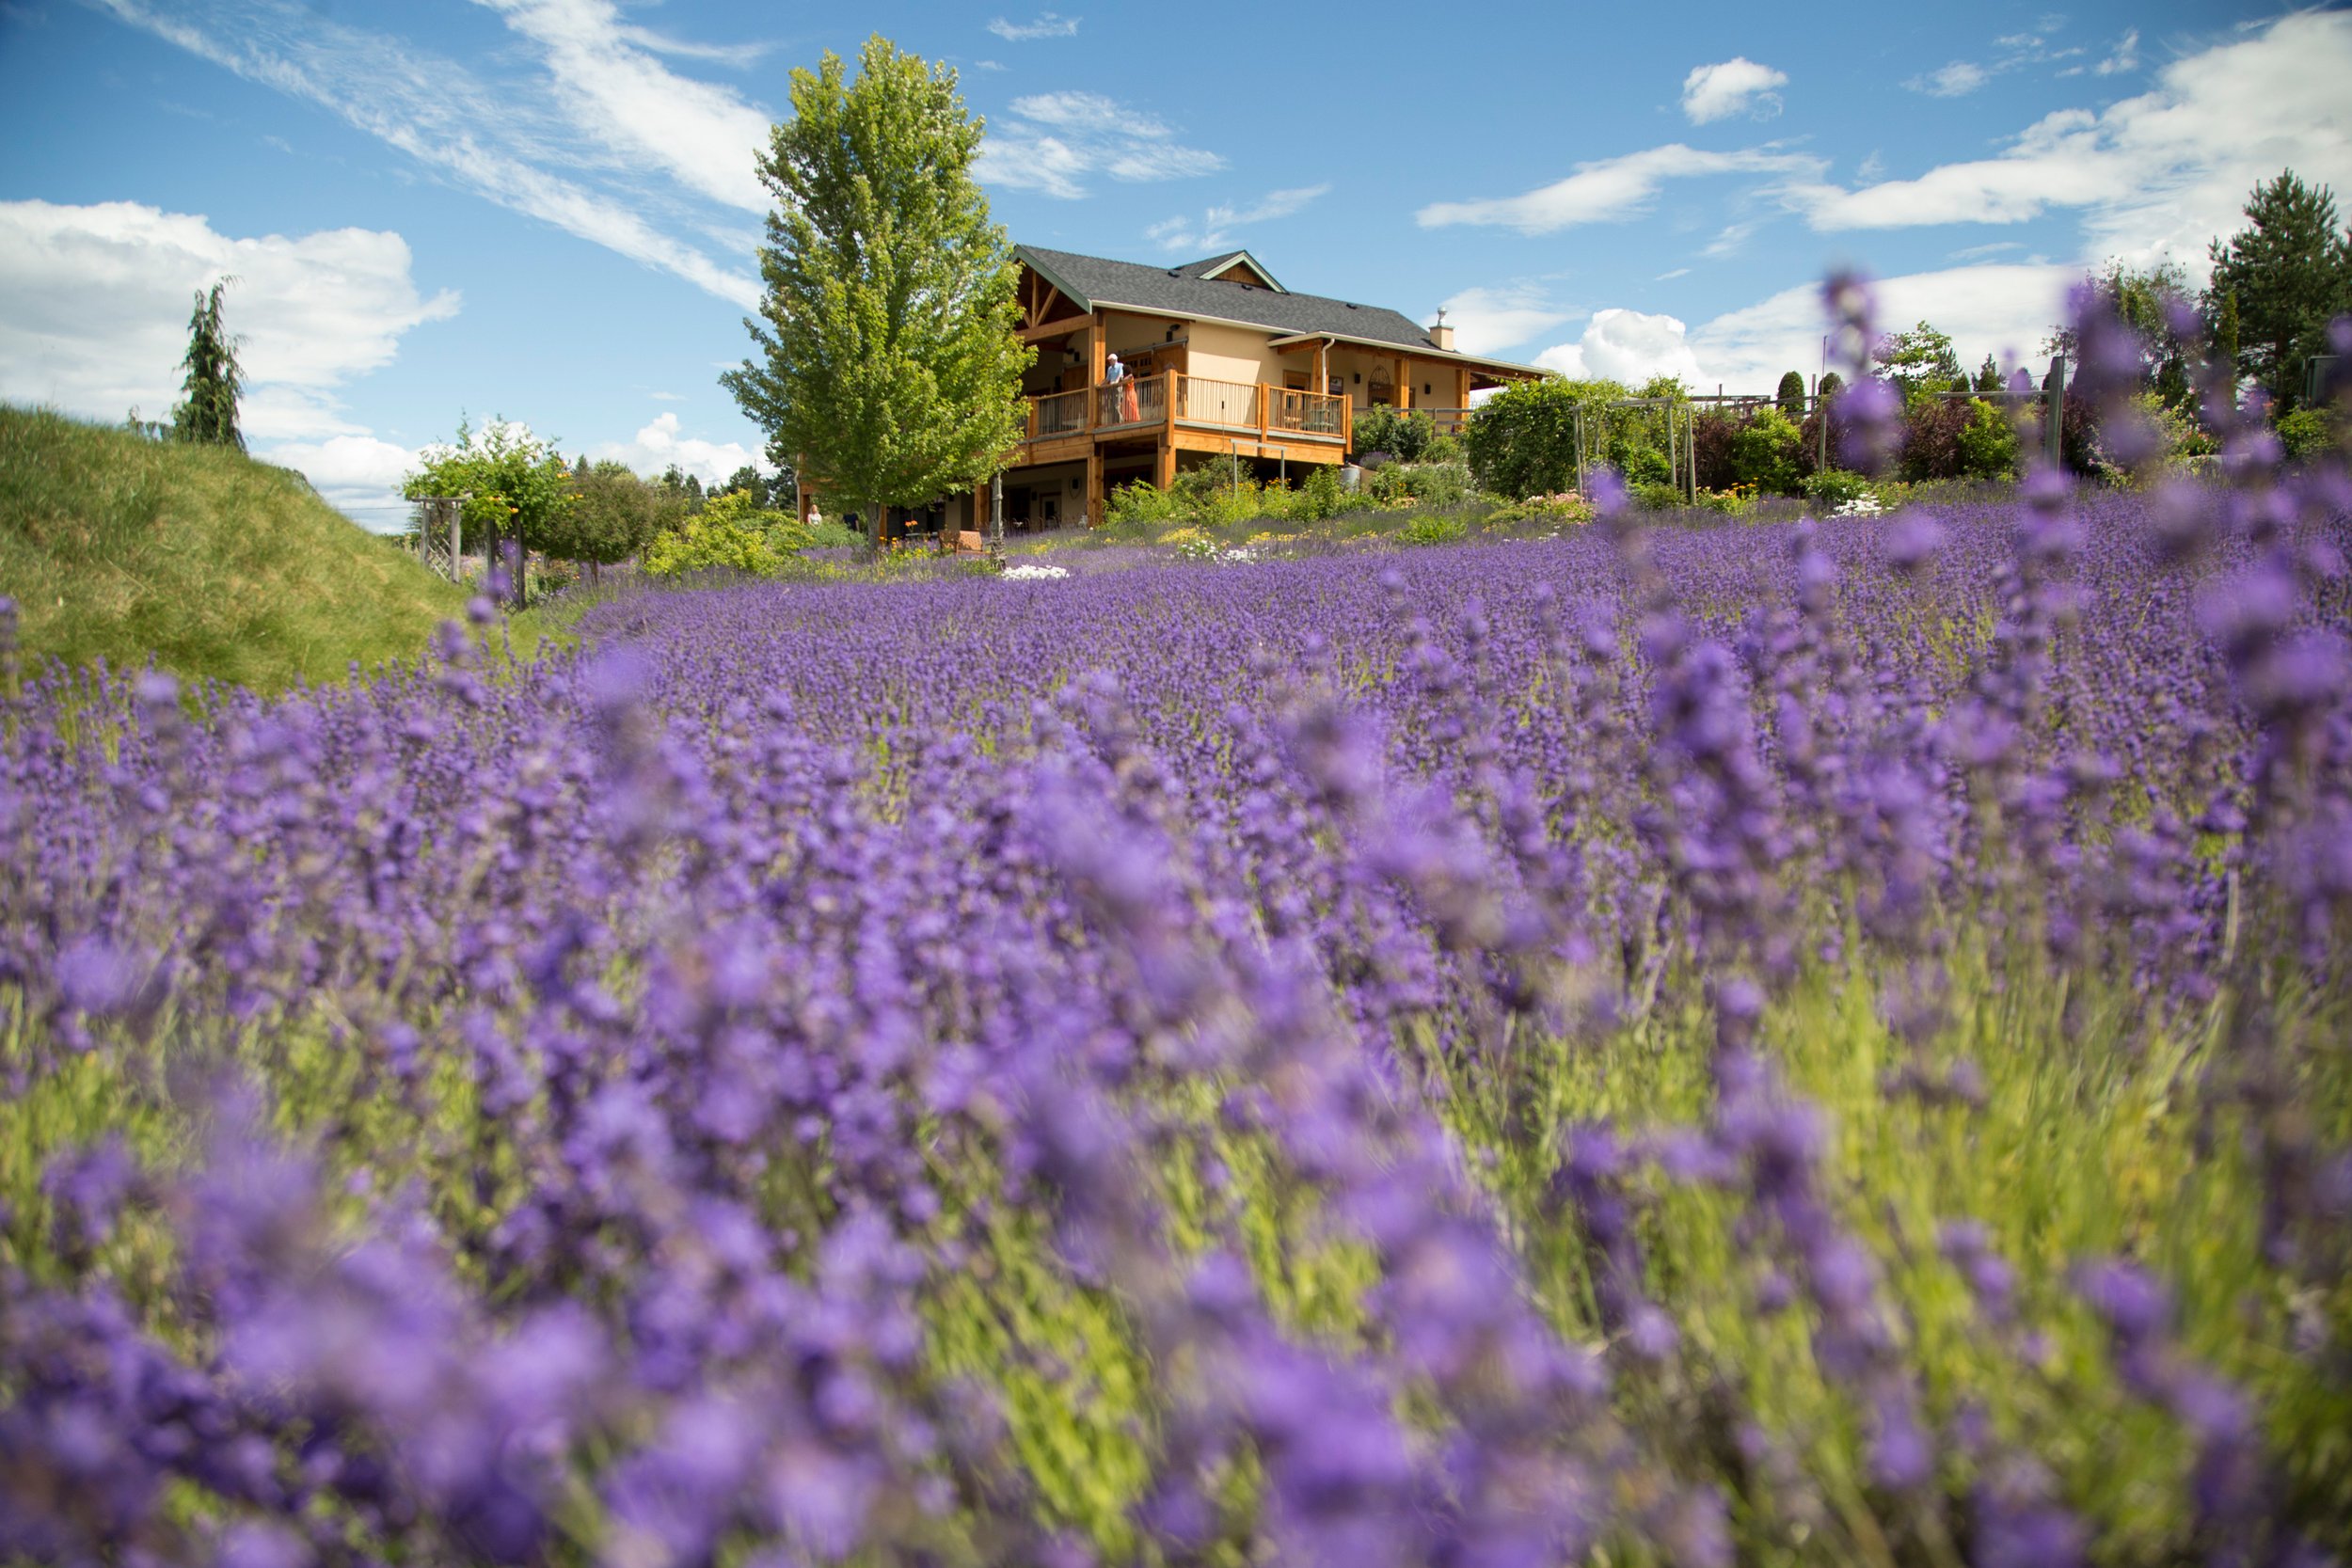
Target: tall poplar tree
<point>889,357</point>
<point>207,410</point>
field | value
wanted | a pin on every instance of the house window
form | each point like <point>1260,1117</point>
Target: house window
<point>1381,389</point>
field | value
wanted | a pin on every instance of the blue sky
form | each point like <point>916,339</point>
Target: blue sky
<point>546,210</point>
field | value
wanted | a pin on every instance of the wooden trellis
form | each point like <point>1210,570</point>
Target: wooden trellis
<point>440,526</point>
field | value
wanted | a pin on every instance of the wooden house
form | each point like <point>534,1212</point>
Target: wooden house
<point>1222,363</point>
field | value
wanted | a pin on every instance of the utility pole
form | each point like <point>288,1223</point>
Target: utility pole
<point>997,513</point>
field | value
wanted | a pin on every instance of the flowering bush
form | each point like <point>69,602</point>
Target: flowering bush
<point>1028,573</point>
<point>1798,1043</point>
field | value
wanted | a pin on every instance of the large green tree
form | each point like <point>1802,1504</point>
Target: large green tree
<point>889,357</point>
<point>515,485</point>
<point>2289,271</point>
<point>207,410</point>
<point>2150,303</point>
<point>1920,362</point>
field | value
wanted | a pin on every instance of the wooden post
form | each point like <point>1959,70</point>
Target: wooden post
<point>2053,415</point>
<point>1164,462</point>
<point>1403,384</point>
<point>1096,500</point>
<point>1265,408</point>
<point>1580,450</point>
<point>996,512</point>
<point>1167,408</point>
<point>1461,389</point>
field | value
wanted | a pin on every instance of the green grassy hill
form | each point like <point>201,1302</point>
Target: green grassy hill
<point>116,546</point>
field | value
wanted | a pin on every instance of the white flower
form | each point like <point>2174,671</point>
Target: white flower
<point>1863,505</point>
<point>1035,574</point>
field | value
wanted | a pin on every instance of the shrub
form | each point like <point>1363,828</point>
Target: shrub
<point>1835,487</point>
<point>1931,431</point>
<point>2306,433</point>
<point>1433,530</point>
<point>1642,466</point>
<point>1405,434</point>
<point>734,533</point>
<point>1439,484</point>
<point>1987,443</point>
<point>1763,454</point>
<point>1658,495</point>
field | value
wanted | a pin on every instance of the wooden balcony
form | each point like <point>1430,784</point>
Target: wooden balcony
<point>1063,426</point>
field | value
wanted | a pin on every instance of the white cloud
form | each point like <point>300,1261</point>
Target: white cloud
<point>1669,277</point>
<point>1058,140</point>
<point>1216,226</point>
<point>1488,321</point>
<point>516,140</point>
<point>94,305</point>
<point>1996,309</point>
<point>1736,85</point>
<point>1047,26</point>
<point>2155,175</point>
<point>1612,190</point>
<point>704,136</point>
<point>657,445</point>
<point>358,474</point>
<point>1629,347</point>
<point>1956,80</point>
<point>2127,55</point>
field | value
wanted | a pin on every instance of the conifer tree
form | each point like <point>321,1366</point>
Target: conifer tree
<point>207,410</point>
<point>2290,270</point>
<point>1791,394</point>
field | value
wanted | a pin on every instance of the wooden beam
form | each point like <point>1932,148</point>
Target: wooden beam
<point>1404,383</point>
<point>1095,497</point>
<point>1164,462</point>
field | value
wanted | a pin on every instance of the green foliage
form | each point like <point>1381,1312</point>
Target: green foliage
<point>889,356</point>
<point>117,547</point>
<point>1988,442</point>
<point>2309,433</point>
<point>2282,278</point>
<point>613,515</point>
<point>2148,303</point>
<point>734,533</point>
<point>1402,434</point>
<point>1920,362</point>
<point>1437,484</point>
<point>1831,384</point>
<point>1988,376</point>
<point>1658,495</point>
<point>1435,530</point>
<point>1642,466</point>
<point>1833,487</point>
<point>207,411</point>
<point>1523,441</point>
<point>1765,453</point>
<point>516,485</point>
<point>1789,397</point>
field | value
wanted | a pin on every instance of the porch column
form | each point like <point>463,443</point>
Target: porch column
<point>1163,463</point>
<point>1095,497</point>
<point>1404,383</point>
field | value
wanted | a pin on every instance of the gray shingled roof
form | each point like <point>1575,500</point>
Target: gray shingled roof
<point>1176,292</point>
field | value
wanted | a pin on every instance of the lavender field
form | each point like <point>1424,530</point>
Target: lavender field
<point>1795,1044</point>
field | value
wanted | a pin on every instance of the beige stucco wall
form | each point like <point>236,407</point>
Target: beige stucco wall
<point>1234,353</point>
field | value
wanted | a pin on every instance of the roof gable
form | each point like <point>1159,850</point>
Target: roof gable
<point>1224,268</point>
<point>1095,281</point>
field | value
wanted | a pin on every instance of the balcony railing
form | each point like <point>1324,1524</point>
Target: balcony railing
<point>1307,413</point>
<point>1144,401</point>
<point>1229,403</point>
<point>1133,401</point>
<point>1057,414</point>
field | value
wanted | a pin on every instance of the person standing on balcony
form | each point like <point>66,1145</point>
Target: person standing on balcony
<point>1123,398</point>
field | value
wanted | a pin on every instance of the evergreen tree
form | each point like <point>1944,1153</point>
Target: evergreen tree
<point>207,412</point>
<point>1790,395</point>
<point>889,359</point>
<point>1831,385</point>
<point>1988,376</point>
<point>2291,271</point>
<point>747,478</point>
